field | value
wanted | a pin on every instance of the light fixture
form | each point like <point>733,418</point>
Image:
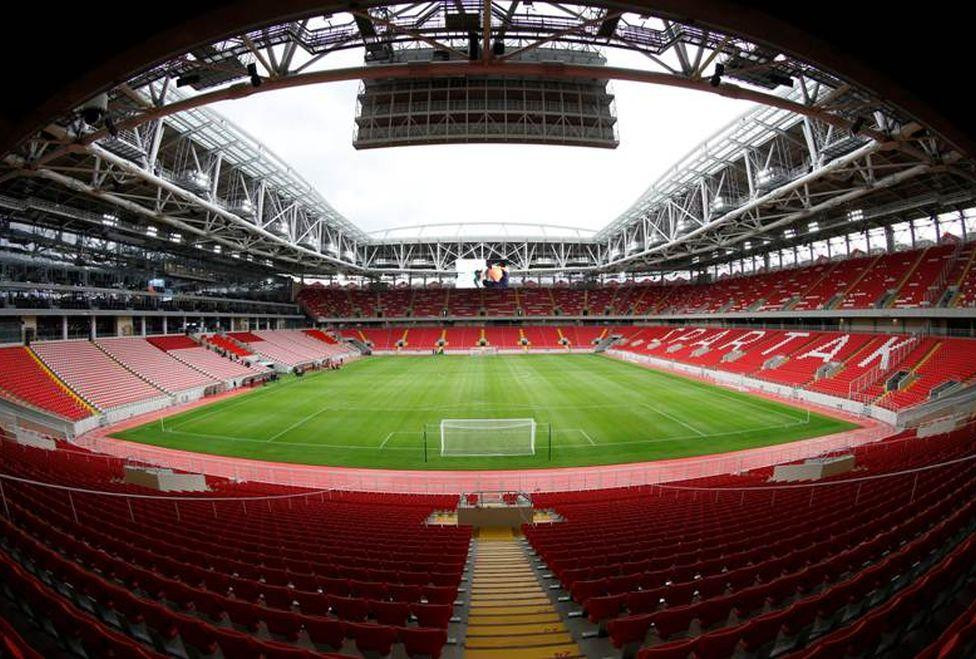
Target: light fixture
<point>252,71</point>
<point>716,78</point>
<point>110,126</point>
<point>188,79</point>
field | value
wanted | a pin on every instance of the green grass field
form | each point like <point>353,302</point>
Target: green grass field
<point>373,413</point>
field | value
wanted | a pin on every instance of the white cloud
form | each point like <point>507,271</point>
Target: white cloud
<point>311,129</point>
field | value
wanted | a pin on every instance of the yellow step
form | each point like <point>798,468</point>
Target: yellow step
<point>501,558</point>
<point>488,585</point>
<point>507,601</point>
<point>517,629</point>
<point>500,561</point>
<point>494,533</point>
<point>566,651</point>
<point>525,580</point>
<point>493,548</point>
<point>500,548</point>
<point>495,558</point>
<point>510,614</point>
<point>529,641</point>
<point>498,612</point>
<point>512,592</point>
<point>505,584</point>
<point>59,382</point>
<point>512,619</point>
<point>523,595</point>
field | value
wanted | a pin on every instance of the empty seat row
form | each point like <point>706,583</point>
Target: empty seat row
<point>843,364</point>
<point>209,362</point>
<point>155,365</point>
<point>95,376</point>
<point>272,577</point>
<point>23,378</point>
<point>224,343</point>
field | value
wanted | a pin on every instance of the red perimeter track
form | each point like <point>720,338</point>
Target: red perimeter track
<point>560,479</point>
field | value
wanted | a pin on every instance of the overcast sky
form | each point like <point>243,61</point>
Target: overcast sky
<point>311,128</point>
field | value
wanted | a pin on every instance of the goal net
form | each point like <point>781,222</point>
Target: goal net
<point>484,350</point>
<point>487,437</point>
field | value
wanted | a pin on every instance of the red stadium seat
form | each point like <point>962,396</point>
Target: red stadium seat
<point>351,609</point>
<point>673,650</point>
<point>432,615</point>
<point>373,640</point>
<point>390,613</point>
<point>423,643</point>
<point>325,631</point>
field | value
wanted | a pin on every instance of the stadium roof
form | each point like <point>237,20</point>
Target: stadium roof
<point>465,231</point>
<point>166,170</point>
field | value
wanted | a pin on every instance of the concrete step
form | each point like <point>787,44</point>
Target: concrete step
<point>511,615</point>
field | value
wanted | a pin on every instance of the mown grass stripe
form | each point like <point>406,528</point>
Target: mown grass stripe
<point>343,418</point>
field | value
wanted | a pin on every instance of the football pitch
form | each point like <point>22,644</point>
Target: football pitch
<point>381,411</point>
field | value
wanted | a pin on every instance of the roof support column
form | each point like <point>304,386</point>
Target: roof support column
<point>749,176</point>
<point>812,149</point>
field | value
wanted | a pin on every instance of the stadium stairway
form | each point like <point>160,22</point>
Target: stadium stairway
<point>510,614</point>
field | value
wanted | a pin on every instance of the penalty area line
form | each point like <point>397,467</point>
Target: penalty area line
<point>298,423</point>
<point>579,430</point>
<point>675,419</point>
<point>390,434</point>
<point>250,440</point>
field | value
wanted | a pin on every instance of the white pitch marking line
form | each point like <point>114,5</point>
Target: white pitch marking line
<point>675,419</point>
<point>390,434</point>
<point>217,407</point>
<point>298,423</point>
<point>580,431</point>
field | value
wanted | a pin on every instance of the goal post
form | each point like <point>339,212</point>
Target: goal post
<point>487,437</point>
<point>483,350</point>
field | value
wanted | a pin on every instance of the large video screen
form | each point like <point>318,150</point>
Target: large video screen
<point>479,273</point>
